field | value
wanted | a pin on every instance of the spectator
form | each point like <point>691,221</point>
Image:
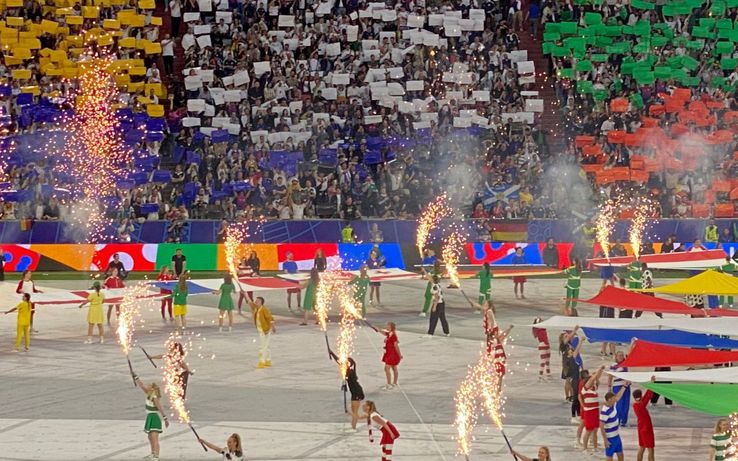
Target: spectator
<point>179,263</point>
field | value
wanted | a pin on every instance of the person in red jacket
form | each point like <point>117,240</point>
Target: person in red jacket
<point>26,286</point>
<point>645,427</point>
<point>113,282</point>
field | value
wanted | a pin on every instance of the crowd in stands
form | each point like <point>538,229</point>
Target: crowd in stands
<point>647,90</point>
<point>343,109</point>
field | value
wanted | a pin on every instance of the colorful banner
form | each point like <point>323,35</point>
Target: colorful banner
<point>266,252</point>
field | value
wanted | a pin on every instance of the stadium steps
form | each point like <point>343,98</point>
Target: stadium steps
<point>166,28</point>
<point>551,120</point>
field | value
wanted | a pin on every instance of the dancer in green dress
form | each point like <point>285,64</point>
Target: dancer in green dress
<point>435,271</point>
<point>573,282</point>
<point>154,415</point>
<point>311,287</point>
<point>485,277</point>
<point>360,284</point>
<point>225,303</point>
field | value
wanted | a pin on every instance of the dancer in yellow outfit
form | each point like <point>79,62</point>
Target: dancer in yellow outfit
<point>24,322</point>
<point>95,314</point>
<point>265,326</point>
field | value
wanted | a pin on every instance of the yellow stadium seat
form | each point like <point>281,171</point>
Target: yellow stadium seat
<point>112,24</point>
<point>34,90</point>
<point>54,72</point>
<point>139,20</point>
<point>156,21</point>
<point>137,71</point>
<point>75,20</point>
<point>122,80</point>
<point>64,12</point>
<point>153,48</point>
<point>128,42</point>
<point>155,110</point>
<point>31,43</point>
<point>58,56</point>
<point>21,74</point>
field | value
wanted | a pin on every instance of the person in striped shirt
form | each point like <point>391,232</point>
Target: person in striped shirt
<point>720,441</point>
<point>590,406</point>
<point>615,384</point>
<point>610,424</point>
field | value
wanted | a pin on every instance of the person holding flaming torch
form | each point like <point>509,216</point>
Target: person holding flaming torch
<point>154,415</point>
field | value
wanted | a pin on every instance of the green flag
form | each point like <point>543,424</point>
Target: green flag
<point>722,400</point>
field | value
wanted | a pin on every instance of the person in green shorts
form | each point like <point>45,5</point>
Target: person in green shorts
<point>573,282</point>
<point>635,275</point>
<point>360,284</point>
<point>154,415</point>
<point>485,277</point>
<point>727,268</point>
<point>310,286</point>
<point>225,303</point>
<point>435,271</point>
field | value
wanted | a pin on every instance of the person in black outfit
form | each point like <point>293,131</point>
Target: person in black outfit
<point>179,263</point>
<point>320,262</point>
<point>254,264</point>
<point>357,392</point>
<point>116,263</point>
<point>551,254</point>
<point>438,309</point>
<point>2,265</point>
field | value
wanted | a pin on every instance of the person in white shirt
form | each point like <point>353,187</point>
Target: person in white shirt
<point>438,309</point>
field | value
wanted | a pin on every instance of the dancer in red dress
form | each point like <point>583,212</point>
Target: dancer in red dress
<point>113,282</point>
<point>645,427</point>
<point>165,275</point>
<point>389,432</point>
<point>392,355</point>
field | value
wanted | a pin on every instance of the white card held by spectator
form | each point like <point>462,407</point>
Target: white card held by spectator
<point>396,72</point>
<point>534,105</point>
<point>201,29</point>
<point>481,96</point>
<point>204,41</point>
<point>195,105</point>
<point>462,122</point>
<point>232,96</point>
<point>219,122</point>
<point>395,89</point>
<point>233,128</point>
<point>406,107</point>
<point>526,67</point>
<point>262,67</point>
<point>205,6</point>
<point>286,21</point>
<point>209,111</point>
<point>415,20</point>
<point>193,82</point>
<point>352,33</point>
<point>415,85</point>
<point>191,17</point>
<point>340,79</point>
<point>435,20</point>
<point>295,106</point>
<point>518,55</point>
<point>329,93</point>
<point>333,49</point>
<point>189,122</point>
<point>527,80</point>
<point>225,16</point>
<point>477,14</point>
<point>528,93</point>
<point>422,125</point>
<point>241,78</point>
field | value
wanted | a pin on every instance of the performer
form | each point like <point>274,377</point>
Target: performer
<point>519,281</point>
<point>544,351</point>
<point>389,432</point>
<point>720,441</point>
<point>26,286</point>
<point>374,262</point>
<point>496,340</point>
<point>265,326</point>
<point>609,425</point>
<point>590,408</point>
<point>154,415</point>
<point>225,303</point>
<point>635,275</point>
<point>544,454</point>
<point>179,295</point>
<point>573,282</point>
<point>113,281</point>
<point>392,355</point>
<point>438,309</point>
<point>730,269</point>
<point>24,322</point>
<point>165,275</point>
<point>290,267</point>
<point>320,262</point>
<point>615,384</point>
<point>485,283</point>
<point>436,271</point>
<point>646,440</point>
<point>95,312</point>
<point>233,450</point>
<point>246,269</point>
<point>176,354</point>
<point>360,284</point>
<point>311,288</point>
<point>357,392</point>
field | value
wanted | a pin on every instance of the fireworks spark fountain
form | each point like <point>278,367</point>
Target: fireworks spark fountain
<point>235,234</point>
<point>429,219</point>
<point>604,225</point>
<point>347,331</point>
<point>466,413</point>
<point>129,314</point>
<point>173,384</point>
<point>450,253</point>
<point>637,227</point>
